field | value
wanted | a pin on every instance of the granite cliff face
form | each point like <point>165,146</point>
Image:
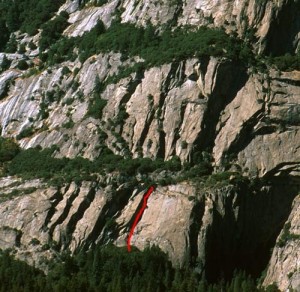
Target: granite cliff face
<point>247,120</point>
<point>217,228</point>
<point>170,110</point>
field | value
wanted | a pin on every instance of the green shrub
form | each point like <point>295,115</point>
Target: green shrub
<point>96,2</point>
<point>166,181</point>
<point>31,72</point>
<point>5,64</point>
<point>146,165</point>
<point>12,45</point>
<point>97,104</point>
<point>199,170</point>
<point>5,90</point>
<point>96,107</point>
<point>8,149</point>
<point>69,101</point>
<point>65,70</point>
<point>184,145</point>
<point>173,164</point>
<point>4,36</point>
<point>22,65</point>
<point>16,275</point>
<point>69,124</point>
<point>25,133</point>
<point>22,49</point>
<point>272,288</point>
<point>43,113</point>
<point>35,162</point>
<point>287,62</point>
<point>286,235</point>
<point>34,241</point>
<point>32,46</point>
<point>60,51</point>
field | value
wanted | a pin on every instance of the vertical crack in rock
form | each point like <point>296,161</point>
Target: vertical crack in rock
<point>131,220</point>
<point>196,224</point>
<point>130,90</point>
<point>57,197</point>
<point>99,232</point>
<point>246,134</point>
<point>161,133</point>
<point>84,205</point>
<point>230,78</point>
<point>132,86</point>
<point>174,78</point>
<point>146,128</point>
<point>203,65</point>
<point>66,209</point>
<point>220,241</point>
<point>19,235</point>
<point>177,13</point>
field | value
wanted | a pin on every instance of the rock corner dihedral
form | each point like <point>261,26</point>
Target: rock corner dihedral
<point>138,216</point>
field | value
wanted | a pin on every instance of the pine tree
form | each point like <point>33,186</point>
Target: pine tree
<point>4,35</point>
<point>12,45</point>
<point>202,286</point>
<point>176,284</point>
<point>192,282</point>
<point>237,282</point>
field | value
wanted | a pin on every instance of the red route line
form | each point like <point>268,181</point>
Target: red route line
<point>138,216</point>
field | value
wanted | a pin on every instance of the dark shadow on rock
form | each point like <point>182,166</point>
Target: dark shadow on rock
<point>283,30</point>
<point>242,238</point>
<point>231,78</point>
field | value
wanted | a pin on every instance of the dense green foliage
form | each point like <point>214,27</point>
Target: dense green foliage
<point>26,15</point>
<point>18,276</point>
<point>8,149</point>
<point>51,30</point>
<point>35,162</point>
<point>287,62</point>
<point>38,163</point>
<point>146,42</point>
<point>114,269</point>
